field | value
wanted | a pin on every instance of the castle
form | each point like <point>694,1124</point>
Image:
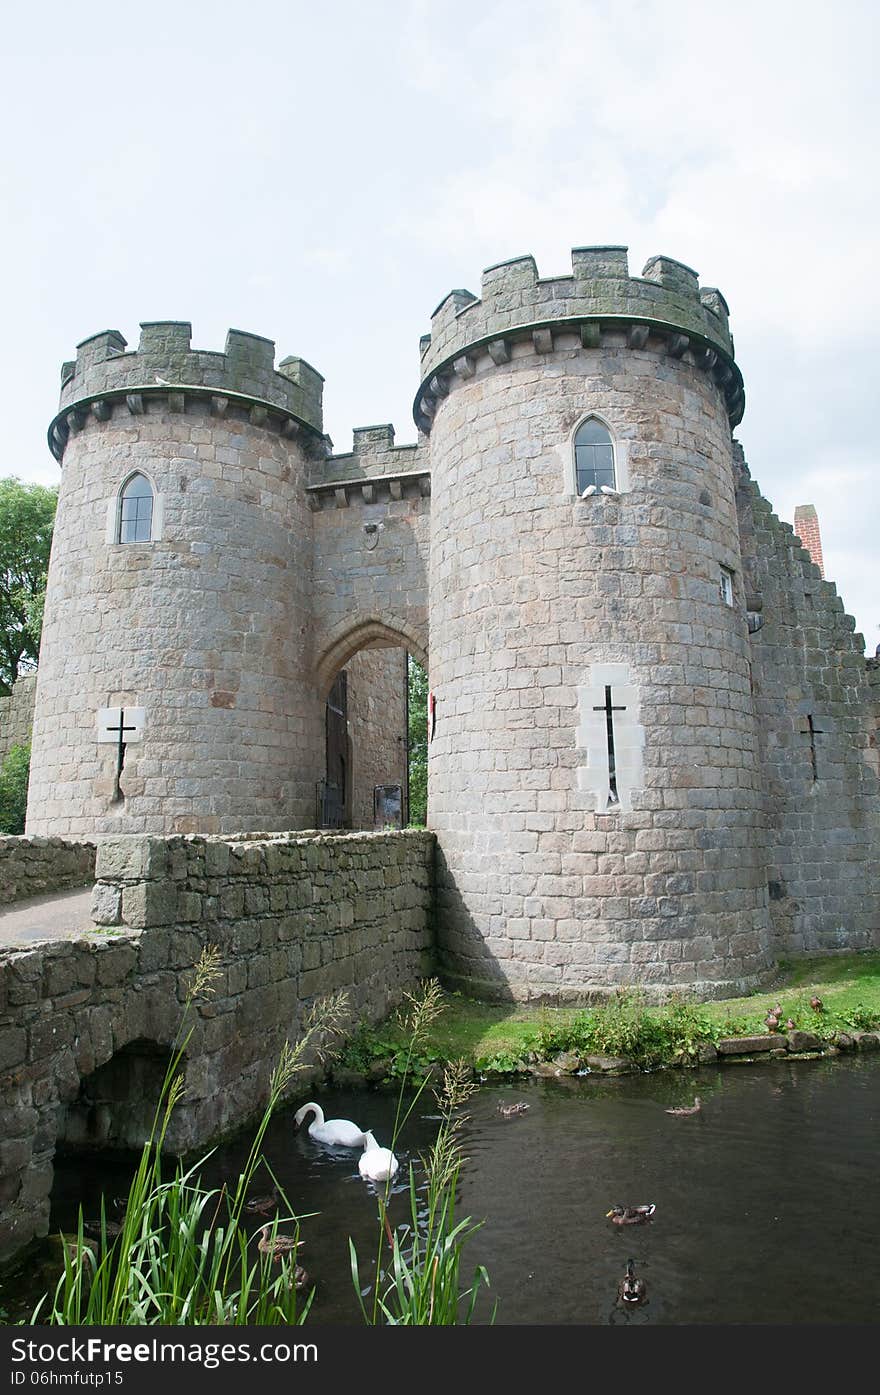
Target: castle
<point>653,751</point>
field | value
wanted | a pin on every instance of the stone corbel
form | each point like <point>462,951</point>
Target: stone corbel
<point>396,488</point>
<point>591,335</point>
<point>135,403</point>
<point>314,502</point>
<point>498,351</point>
<point>707,359</point>
<point>677,344</point>
<point>464,366</point>
<point>542,340</point>
<point>341,498</point>
<point>425,486</point>
<point>290,428</point>
<point>638,336</point>
<point>258,415</point>
<point>438,386</point>
<point>176,402</point>
<point>219,406</point>
<point>75,421</point>
<point>101,409</point>
<point>368,493</point>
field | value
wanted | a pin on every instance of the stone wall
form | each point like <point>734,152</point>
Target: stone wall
<point>293,919</point>
<point>817,720</point>
<point>17,714</point>
<point>371,518</point>
<point>377,726</point>
<point>37,866</point>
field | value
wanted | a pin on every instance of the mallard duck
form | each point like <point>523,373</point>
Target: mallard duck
<point>376,1164</point>
<point>262,1205</point>
<point>510,1111</point>
<point>630,1215</point>
<point>631,1290</point>
<point>112,1229</point>
<point>791,1025</point>
<point>685,1109</point>
<point>817,1005</point>
<point>340,1131</point>
<point>771,1022</point>
<point>276,1245</point>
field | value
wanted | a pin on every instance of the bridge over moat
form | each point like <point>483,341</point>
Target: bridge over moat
<point>87,1023</point>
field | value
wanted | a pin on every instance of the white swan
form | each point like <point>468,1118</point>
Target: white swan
<point>376,1164</point>
<point>341,1131</point>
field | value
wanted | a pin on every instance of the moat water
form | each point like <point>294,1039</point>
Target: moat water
<point>767,1201</point>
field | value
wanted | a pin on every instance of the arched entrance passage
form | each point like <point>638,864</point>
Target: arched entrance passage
<point>364,676</point>
<point>365,632</point>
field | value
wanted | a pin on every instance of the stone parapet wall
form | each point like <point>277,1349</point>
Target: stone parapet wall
<point>373,456</point>
<point>816,704</point>
<point>165,362</point>
<point>293,919</point>
<point>37,866</point>
<point>17,714</point>
<point>599,293</point>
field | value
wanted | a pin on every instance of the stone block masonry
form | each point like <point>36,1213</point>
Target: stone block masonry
<point>812,693</point>
<point>293,918</point>
<point>38,866</point>
<point>17,714</point>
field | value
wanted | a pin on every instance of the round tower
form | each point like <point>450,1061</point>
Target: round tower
<point>173,687</point>
<point>593,775</point>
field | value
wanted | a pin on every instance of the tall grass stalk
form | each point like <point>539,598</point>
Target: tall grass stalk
<point>423,1287</point>
<point>183,1254</point>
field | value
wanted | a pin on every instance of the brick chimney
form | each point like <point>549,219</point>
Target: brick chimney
<point>806,525</point>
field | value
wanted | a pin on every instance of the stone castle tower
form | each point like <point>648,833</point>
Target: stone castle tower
<point>653,752</point>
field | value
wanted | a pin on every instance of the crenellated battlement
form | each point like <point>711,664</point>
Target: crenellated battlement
<point>165,364</point>
<point>375,466</point>
<point>600,295</point>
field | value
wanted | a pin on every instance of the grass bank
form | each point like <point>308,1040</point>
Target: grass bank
<point>508,1038</point>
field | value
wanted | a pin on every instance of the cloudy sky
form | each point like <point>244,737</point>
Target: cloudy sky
<point>323,175</point>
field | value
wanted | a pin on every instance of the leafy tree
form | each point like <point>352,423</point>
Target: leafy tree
<point>27,514</point>
<point>13,789</point>
<point>418,742</point>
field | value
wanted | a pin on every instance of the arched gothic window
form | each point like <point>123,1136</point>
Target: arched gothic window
<point>135,511</point>
<point>593,456</point>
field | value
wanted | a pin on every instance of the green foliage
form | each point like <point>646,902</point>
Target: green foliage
<point>861,1018</point>
<point>27,515</point>
<point>500,1063</point>
<point>685,1025</point>
<point>14,774</point>
<point>365,1046</point>
<point>626,1026</point>
<point>423,1288</point>
<point>417,738</point>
